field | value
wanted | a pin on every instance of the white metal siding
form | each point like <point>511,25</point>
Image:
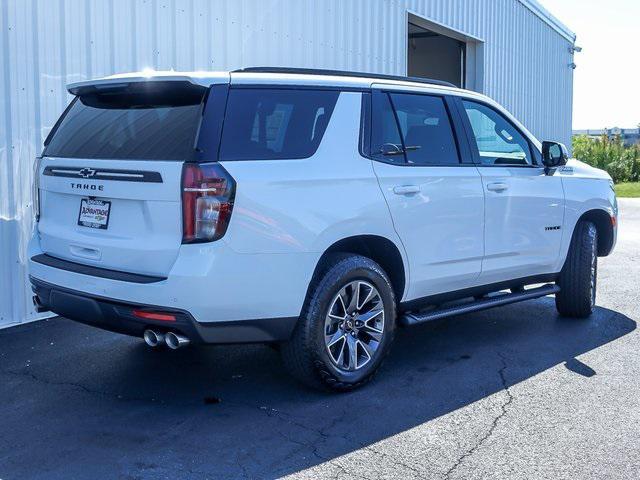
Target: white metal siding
<point>46,44</point>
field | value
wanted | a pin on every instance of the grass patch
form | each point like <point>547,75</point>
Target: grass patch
<point>628,190</point>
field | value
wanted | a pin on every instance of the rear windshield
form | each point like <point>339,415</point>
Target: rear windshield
<point>267,124</point>
<point>146,122</point>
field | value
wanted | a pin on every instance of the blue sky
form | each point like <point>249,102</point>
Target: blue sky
<point>607,79</point>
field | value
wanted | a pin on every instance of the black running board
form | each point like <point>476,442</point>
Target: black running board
<point>483,304</point>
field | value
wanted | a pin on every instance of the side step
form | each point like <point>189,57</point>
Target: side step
<point>483,304</point>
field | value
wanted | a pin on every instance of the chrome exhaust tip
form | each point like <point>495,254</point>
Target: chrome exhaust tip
<point>175,341</point>
<point>38,306</point>
<point>153,338</point>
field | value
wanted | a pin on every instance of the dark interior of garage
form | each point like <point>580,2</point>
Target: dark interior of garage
<point>432,55</point>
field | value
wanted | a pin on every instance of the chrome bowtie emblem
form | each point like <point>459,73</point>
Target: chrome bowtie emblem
<point>87,172</point>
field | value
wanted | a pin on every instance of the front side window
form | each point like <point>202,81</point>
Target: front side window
<point>270,124</point>
<point>497,139</point>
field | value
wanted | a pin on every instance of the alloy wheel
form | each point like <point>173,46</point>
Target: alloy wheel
<point>354,325</point>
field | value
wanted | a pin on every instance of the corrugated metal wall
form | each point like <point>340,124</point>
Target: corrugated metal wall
<point>46,44</point>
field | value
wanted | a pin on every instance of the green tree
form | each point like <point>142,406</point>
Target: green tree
<point>610,154</point>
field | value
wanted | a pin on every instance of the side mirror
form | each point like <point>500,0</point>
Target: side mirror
<point>554,154</point>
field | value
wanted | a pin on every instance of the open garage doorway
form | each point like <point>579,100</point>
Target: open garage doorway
<point>436,56</point>
<point>433,51</point>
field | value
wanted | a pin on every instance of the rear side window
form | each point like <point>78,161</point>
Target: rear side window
<point>146,122</point>
<point>413,129</point>
<point>270,124</point>
<point>426,129</point>
<point>386,143</point>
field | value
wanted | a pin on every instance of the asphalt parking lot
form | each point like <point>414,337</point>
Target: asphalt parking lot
<point>515,392</point>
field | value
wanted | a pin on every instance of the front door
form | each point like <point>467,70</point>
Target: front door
<point>524,207</point>
<point>436,201</point>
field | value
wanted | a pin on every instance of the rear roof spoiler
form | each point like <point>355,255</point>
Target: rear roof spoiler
<point>203,79</point>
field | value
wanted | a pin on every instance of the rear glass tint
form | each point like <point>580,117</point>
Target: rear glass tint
<point>267,124</point>
<point>426,129</point>
<point>150,122</point>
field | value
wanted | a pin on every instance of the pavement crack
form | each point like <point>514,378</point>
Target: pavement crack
<point>396,461</point>
<point>315,444</point>
<point>323,436</point>
<point>494,424</point>
<point>78,386</point>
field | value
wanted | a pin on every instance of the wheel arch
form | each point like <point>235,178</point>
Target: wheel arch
<point>379,249</point>
<point>604,226</point>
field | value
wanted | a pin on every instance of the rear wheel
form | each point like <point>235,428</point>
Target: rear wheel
<point>347,325</point>
<point>578,278</point>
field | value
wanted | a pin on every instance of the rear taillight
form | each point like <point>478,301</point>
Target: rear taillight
<point>35,193</point>
<point>207,201</point>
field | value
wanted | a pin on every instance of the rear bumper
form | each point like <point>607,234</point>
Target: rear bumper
<point>211,281</point>
<point>48,260</point>
<point>117,316</point>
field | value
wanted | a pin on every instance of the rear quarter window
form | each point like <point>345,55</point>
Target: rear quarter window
<point>270,124</point>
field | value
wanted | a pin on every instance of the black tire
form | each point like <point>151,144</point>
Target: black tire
<point>306,355</point>
<point>578,278</point>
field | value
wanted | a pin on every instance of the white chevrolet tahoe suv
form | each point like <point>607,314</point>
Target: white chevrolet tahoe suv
<point>314,210</point>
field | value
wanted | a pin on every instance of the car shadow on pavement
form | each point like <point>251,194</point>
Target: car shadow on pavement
<point>91,404</point>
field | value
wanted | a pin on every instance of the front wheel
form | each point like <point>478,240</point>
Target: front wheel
<point>347,325</point>
<point>578,278</point>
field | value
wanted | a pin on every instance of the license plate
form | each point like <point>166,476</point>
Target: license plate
<point>94,213</point>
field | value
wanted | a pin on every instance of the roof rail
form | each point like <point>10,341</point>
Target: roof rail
<point>342,73</point>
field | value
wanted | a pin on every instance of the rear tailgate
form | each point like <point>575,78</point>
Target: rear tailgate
<point>110,176</point>
<point>144,226</point>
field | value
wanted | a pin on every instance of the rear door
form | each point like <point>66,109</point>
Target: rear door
<point>524,207</point>
<point>432,188</point>
<point>111,172</point>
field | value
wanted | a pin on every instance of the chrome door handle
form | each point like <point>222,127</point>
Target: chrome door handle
<point>497,187</point>
<point>406,189</point>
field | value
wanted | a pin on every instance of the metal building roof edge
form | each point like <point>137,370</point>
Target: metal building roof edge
<point>544,14</point>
